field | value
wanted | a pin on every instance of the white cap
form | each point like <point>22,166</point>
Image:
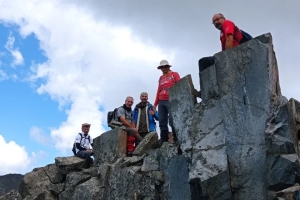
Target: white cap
<point>163,63</point>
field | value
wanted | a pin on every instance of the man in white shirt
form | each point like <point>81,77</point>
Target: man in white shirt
<point>83,142</point>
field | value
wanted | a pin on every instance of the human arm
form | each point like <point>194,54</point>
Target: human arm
<point>153,113</point>
<point>135,115</point>
<point>121,116</point>
<point>155,116</point>
<point>228,30</point>
<point>125,123</point>
<point>176,77</point>
<point>156,99</point>
<point>79,147</point>
<point>229,42</point>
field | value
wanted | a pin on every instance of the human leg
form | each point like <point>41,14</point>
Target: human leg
<point>206,62</point>
<point>131,137</point>
<point>163,120</point>
<point>171,122</point>
<point>85,155</point>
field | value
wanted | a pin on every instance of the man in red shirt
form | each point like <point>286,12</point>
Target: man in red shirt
<point>230,36</point>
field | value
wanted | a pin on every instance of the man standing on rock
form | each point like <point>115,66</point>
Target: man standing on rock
<point>165,82</point>
<point>144,116</point>
<point>83,141</point>
<point>125,116</point>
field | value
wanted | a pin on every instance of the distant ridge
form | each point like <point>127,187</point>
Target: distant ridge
<point>9,182</point>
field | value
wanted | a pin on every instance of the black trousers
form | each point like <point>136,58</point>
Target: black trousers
<point>206,62</point>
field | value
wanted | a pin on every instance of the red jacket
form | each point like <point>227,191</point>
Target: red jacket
<point>164,83</point>
<point>228,27</point>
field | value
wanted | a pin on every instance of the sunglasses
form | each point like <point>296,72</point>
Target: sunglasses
<point>164,66</point>
<point>217,19</point>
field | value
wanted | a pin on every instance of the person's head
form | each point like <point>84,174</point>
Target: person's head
<point>144,97</point>
<point>85,128</point>
<point>128,102</point>
<point>164,66</point>
<point>218,20</point>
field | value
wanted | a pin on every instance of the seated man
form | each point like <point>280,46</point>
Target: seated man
<point>124,115</point>
<point>144,116</point>
<point>83,141</point>
<point>230,36</point>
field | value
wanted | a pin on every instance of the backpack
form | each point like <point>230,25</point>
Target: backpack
<point>112,120</point>
<point>111,115</point>
<point>246,36</point>
<point>74,145</point>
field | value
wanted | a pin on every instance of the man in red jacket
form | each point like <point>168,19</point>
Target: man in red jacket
<point>230,36</point>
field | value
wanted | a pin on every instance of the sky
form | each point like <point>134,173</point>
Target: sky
<point>64,63</point>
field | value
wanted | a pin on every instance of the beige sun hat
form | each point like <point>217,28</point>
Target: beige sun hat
<point>163,63</point>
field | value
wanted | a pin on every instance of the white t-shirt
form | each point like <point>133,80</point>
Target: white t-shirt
<point>84,141</point>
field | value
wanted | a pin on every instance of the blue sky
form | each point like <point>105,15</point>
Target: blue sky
<point>64,63</point>
<point>22,107</point>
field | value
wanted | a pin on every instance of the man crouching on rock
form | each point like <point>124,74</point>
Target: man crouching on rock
<point>83,142</point>
<point>124,115</point>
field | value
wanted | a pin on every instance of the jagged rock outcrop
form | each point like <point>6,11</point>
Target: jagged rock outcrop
<point>10,182</point>
<point>241,142</point>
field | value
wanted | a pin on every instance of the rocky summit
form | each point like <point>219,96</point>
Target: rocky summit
<point>241,142</point>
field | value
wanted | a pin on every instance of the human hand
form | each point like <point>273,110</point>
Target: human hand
<point>154,109</point>
<point>135,130</point>
<point>89,150</point>
<point>151,112</point>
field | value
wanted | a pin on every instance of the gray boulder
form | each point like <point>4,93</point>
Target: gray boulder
<point>148,141</point>
<point>69,164</point>
<point>104,171</point>
<point>126,183</point>
<point>37,184</point>
<point>112,145</point>
<point>11,195</point>
<point>150,164</point>
<point>292,193</point>
<point>89,190</point>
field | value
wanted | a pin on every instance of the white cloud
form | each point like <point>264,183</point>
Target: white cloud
<point>91,63</point>
<point>37,134</point>
<point>17,55</point>
<point>14,158</point>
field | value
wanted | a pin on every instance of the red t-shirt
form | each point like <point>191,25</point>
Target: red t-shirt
<point>228,27</point>
<point>165,82</point>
